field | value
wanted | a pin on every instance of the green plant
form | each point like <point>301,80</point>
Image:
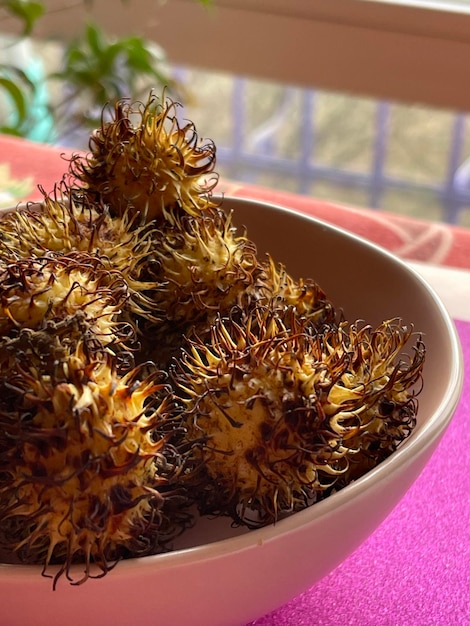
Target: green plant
<point>19,88</point>
<point>26,11</point>
<point>96,69</point>
<point>14,81</point>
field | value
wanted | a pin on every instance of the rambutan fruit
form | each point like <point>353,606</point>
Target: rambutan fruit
<point>145,161</point>
<point>388,379</point>
<point>67,221</point>
<point>282,291</point>
<point>82,463</point>
<point>38,290</point>
<point>201,267</point>
<point>276,411</point>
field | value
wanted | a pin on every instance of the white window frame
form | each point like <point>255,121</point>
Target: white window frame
<point>412,51</point>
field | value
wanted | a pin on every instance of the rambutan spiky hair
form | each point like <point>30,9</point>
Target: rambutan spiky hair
<point>81,463</point>
<point>144,160</point>
<point>36,289</point>
<point>67,221</point>
<point>279,412</point>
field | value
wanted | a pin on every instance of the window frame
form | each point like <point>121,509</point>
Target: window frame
<point>410,51</point>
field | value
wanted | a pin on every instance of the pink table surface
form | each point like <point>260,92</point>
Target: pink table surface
<point>415,569</point>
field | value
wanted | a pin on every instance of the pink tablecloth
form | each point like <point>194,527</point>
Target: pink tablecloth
<point>24,165</point>
<point>408,238</point>
<point>415,569</point>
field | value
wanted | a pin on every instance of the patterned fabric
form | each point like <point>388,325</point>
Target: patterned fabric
<point>412,239</point>
<point>26,165</point>
<point>22,162</point>
<point>10,188</point>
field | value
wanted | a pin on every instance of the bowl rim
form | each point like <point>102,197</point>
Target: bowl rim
<point>420,441</point>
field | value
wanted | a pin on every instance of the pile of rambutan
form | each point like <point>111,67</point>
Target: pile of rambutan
<point>153,364</point>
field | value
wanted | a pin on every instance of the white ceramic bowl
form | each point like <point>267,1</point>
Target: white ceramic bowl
<point>222,577</point>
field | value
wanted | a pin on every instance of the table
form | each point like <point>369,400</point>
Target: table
<point>415,569</point>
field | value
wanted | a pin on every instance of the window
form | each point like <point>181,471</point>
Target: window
<point>399,65</point>
<point>405,158</point>
<point>409,50</point>
<point>413,51</point>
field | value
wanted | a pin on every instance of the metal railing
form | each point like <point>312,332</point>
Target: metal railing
<point>249,155</point>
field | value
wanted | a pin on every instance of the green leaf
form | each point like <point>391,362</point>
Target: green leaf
<point>74,56</point>
<point>17,96</point>
<point>138,56</point>
<point>27,11</point>
<point>19,88</point>
<point>94,38</point>
<point>9,130</point>
<point>109,57</point>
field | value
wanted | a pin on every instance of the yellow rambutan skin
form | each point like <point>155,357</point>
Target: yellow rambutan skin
<point>68,222</point>
<point>79,464</point>
<point>280,412</point>
<point>145,161</point>
<point>51,288</point>
<point>204,266</point>
<point>303,294</point>
<point>201,268</point>
<point>68,225</point>
<point>384,379</point>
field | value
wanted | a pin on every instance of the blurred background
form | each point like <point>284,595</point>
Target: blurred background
<point>362,102</point>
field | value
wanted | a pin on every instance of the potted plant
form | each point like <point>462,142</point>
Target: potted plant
<point>95,69</point>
